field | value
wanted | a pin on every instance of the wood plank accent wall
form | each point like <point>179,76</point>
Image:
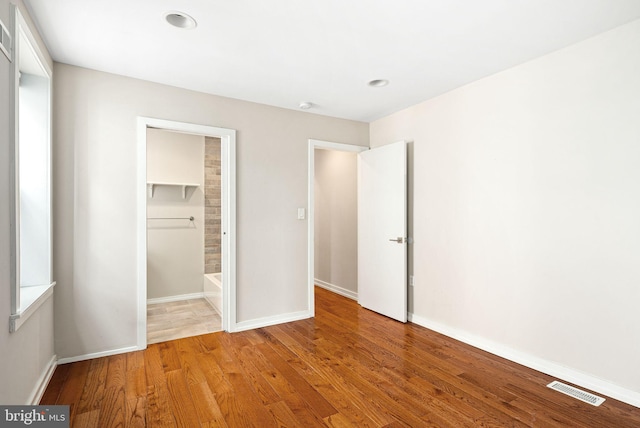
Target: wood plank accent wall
<point>212,205</point>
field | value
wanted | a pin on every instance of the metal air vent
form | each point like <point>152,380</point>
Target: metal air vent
<point>576,393</point>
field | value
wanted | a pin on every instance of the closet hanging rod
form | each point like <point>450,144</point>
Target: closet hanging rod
<point>171,218</point>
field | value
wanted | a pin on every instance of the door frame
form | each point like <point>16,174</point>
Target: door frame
<point>313,145</point>
<point>228,194</point>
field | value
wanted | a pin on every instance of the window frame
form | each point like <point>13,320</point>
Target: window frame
<point>25,304</point>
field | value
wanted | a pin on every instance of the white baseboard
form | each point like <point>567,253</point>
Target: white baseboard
<point>97,355</point>
<point>175,298</point>
<point>338,290</point>
<point>43,381</point>
<point>545,366</point>
<point>267,321</point>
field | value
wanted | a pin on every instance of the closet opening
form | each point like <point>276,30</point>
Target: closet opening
<point>186,230</point>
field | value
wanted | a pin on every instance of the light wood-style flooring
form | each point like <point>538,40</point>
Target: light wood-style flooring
<point>184,318</point>
<point>347,367</point>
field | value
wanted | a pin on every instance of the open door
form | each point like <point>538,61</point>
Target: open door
<point>382,230</point>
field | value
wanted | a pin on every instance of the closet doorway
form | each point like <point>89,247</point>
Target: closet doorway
<point>186,230</point>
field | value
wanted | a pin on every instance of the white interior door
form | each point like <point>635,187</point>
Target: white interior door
<point>382,230</point>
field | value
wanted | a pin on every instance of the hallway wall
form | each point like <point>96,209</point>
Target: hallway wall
<point>336,221</point>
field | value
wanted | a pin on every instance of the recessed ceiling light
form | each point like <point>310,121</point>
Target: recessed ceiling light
<point>305,105</point>
<point>378,83</point>
<point>180,20</point>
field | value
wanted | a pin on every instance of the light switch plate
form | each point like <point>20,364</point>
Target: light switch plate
<point>301,213</point>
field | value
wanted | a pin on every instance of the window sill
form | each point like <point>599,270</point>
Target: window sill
<point>31,298</point>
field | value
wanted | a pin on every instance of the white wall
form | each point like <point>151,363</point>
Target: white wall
<point>526,217</point>
<point>25,354</point>
<point>336,219</point>
<point>175,248</point>
<point>95,200</point>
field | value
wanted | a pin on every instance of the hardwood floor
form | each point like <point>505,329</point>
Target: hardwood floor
<point>184,318</point>
<point>347,367</point>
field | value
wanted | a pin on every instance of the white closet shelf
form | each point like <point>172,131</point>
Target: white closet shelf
<point>151,185</point>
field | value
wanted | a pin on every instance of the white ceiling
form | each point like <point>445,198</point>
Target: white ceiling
<point>282,52</point>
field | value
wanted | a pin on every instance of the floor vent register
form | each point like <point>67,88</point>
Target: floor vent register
<point>576,393</point>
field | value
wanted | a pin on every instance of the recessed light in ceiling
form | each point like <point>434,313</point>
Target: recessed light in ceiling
<point>180,20</point>
<point>305,105</point>
<point>378,83</point>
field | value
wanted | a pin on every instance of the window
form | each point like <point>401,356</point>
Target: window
<point>31,271</point>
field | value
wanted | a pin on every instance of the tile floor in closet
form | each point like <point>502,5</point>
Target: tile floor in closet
<point>173,320</point>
